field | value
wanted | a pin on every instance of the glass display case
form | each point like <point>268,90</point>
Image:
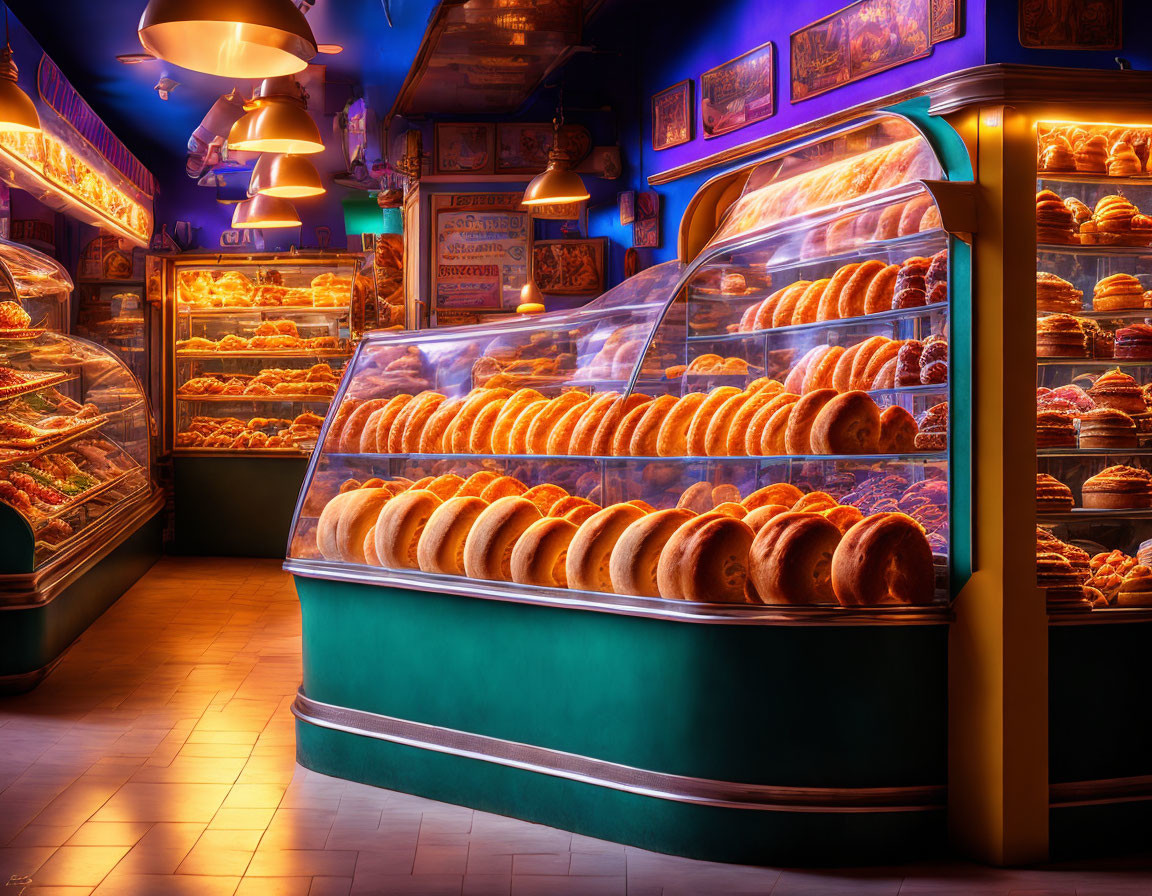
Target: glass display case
<point>37,283</point>
<point>115,315</point>
<point>786,391</point>
<point>259,346</point>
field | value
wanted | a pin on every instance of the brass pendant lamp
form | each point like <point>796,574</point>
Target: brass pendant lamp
<point>237,39</point>
<point>17,111</point>
<point>277,121</point>
<point>285,176</point>
<point>557,183</point>
<point>265,212</point>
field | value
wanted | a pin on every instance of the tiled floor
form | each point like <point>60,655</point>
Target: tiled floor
<point>158,759</point>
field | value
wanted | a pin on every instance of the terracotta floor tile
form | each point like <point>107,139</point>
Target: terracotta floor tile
<point>166,885</point>
<point>163,801</point>
<point>83,866</point>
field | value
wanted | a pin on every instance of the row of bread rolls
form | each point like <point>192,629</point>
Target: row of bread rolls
<point>762,419</point>
<point>775,547</point>
<point>854,290</point>
<point>874,363</point>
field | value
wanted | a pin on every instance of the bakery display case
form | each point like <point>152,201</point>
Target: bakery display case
<point>258,346</point>
<point>38,285</point>
<point>722,465</point>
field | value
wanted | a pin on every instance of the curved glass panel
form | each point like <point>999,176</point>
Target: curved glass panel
<point>37,282</point>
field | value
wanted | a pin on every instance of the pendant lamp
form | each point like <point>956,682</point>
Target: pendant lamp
<point>265,212</point>
<point>557,183</point>
<point>285,176</point>
<point>17,112</point>
<point>237,39</point>
<point>277,121</point>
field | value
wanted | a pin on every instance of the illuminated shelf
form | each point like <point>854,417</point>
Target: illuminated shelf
<point>937,309</point>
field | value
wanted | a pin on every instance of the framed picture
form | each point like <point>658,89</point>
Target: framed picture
<point>672,116</point>
<point>739,92</point>
<point>1071,24</point>
<point>946,20</point>
<point>483,244</point>
<point>627,204</point>
<point>867,37</point>
<point>522,148</point>
<point>646,227</point>
<point>463,149</point>
<point>569,267</point>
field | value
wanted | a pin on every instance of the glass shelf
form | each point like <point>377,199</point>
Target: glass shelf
<point>273,310</point>
<point>1094,452</point>
<point>248,399</point>
<point>901,315</point>
<point>282,353</point>
<point>1093,362</point>
<point>919,457</point>
<point>1102,251</point>
<point>1103,180</point>
<point>1085,515</point>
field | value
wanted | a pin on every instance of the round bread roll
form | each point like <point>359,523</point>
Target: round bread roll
<point>422,483</point>
<point>696,498</point>
<point>591,548</point>
<point>791,559</point>
<point>830,301</point>
<point>798,435</point>
<point>368,434</point>
<point>357,516</point>
<point>544,496</point>
<point>886,377</point>
<point>849,423</point>
<point>853,297</point>
<point>821,368</point>
<point>642,442</point>
<point>502,429</point>
<point>786,307</point>
<point>466,418</point>
<point>441,545</point>
<point>400,525</point>
<point>731,508</point>
<point>843,516</point>
<point>561,432</point>
<point>605,434</point>
<point>714,561</point>
<point>636,555</point>
<point>767,309</point>
<point>758,517</point>
<point>476,483</point>
<point>336,427</point>
<point>884,559</point>
<point>842,373</point>
<point>773,440</point>
<point>794,382</point>
<point>876,362</point>
<point>369,548</point>
<point>480,442</point>
<point>720,426</point>
<point>432,437</point>
<point>808,308</point>
<point>387,417</point>
<point>549,417</point>
<point>540,554</point>
<point>672,438</point>
<point>696,440</point>
<point>518,437</point>
<point>326,526</point>
<point>569,502</point>
<point>777,493</point>
<point>867,349</point>
<point>898,431</point>
<point>503,487</point>
<point>814,502</point>
<point>425,407</point>
<point>736,441</point>
<point>754,438</point>
<point>488,548</point>
<point>879,296</point>
<point>585,431</point>
<point>354,425</point>
<point>445,485</point>
<point>396,430</point>
<point>622,437</point>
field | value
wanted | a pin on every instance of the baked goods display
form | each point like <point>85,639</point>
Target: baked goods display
<point>1106,150</point>
<point>1113,221</point>
<point>307,383</point>
<point>256,433</point>
<point>235,289</point>
<point>267,336</point>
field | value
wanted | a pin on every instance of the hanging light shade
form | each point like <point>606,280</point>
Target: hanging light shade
<point>277,121</point>
<point>17,112</point>
<point>237,39</point>
<point>557,183</point>
<point>285,176</point>
<point>265,212</point>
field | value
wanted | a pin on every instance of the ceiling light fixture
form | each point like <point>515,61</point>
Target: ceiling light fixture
<point>285,176</point>
<point>557,183</point>
<point>330,49</point>
<point>265,212</point>
<point>17,111</point>
<point>238,39</point>
<point>277,121</point>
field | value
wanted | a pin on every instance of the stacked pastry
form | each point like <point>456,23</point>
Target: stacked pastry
<point>1055,294</point>
<point>774,547</point>
<point>1094,149</point>
<point>270,335</point>
<point>1062,570</point>
<point>257,433</point>
<point>13,317</point>
<point>1115,221</point>
<point>317,381</point>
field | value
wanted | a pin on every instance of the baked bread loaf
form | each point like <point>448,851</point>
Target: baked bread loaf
<point>591,416</point>
<point>1054,222</point>
<point>1117,487</point>
<point>400,525</point>
<point>1107,428</point>
<point>719,427</point>
<point>326,539</point>
<point>843,516</point>
<point>432,437</point>
<point>635,557</point>
<point>1123,161</point>
<point>830,299</point>
<point>881,290</point>
<point>480,440</point>
<point>545,496</point>
<point>848,423</point>
<point>540,554</point>
<point>1119,292</point>
<point>757,427</point>
<point>506,419</point>
<point>475,484</point>
<point>488,548</point>
<point>884,559</point>
<point>814,502</point>
<point>1057,294</point>
<point>713,560</point>
<point>852,301</point>
<point>604,438</point>
<point>440,548</point>
<point>503,487</point>
<point>466,419</point>
<point>591,548</point>
<point>791,559</point>
<point>643,442</point>
<point>368,434</point>
<point>794,382</point>
<point>756,519</point>
<point>672,437</point>
<point>425,406</point>
<point>695,443</point>
<point>786,306</point>
<point>549,418</point>
<point>697,498</point>
<point>777,493</point>
<point>898,431</point>
<point>521,426</point>
<point>798,434</point>
<point>807,309</point>
<point>353,427</point>
<point>445,485</point>
<point>1116,389</point>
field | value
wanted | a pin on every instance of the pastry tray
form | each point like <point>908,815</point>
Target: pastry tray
<point>23,333</point>
<point>87,495</point>
<point>32,382</point>
<point>243,398</point>
<point>19,449</point>
<point>267,353</point>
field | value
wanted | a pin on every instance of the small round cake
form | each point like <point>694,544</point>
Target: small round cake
<point>1107,428</point>
<point>1116,389</point>
<point>1118,487</point>
<point>1057,295</point>
<point>1060,336</point>
<point>1052,495</point>
<point>1055,429</point>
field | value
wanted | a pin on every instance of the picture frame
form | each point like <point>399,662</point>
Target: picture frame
<point>569,267</point>
<point>673,116</point>
<point>523,147</point>
<point>739,92</point>
<point>463,148</point>
<point>626,202</point>
<point>1071,24</point>
<point>646,226</point>
<point>946,20</point>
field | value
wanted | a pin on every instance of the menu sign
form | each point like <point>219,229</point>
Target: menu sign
<point>482,251</point>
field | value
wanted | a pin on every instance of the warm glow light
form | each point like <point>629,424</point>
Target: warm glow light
<point>265,212</point>
<point>285,176</point>
<point>17,112</point>
<point>555,184</point>
<point>237,39</point>
<point>277,125</point>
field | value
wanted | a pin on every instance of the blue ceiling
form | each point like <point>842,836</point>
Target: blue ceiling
<point>84,37</point>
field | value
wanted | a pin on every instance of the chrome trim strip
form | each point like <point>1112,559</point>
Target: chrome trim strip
<point>600,773</point>
<point>619,604</point>
<point>1101,792</point>
<point>1102,616</point>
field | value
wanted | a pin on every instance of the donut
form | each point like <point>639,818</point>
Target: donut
<point>445,486</point>
<point>368,434</point>
<point>797,436</point>
<point>424,407</point>
<point>880,289</point>
<point>885,353</point>
<point>830,301</point>
<point>813,502</point>
<point>773,440</point>
<point>782,313</point>
<point>897,431</point>
<point>695,443</point>
<point>868,348</point>
<point>758,517</point>
<point>753,440</point>
<point>326,526</point>
<point>432,438</point>
<point>569,502</point>
<point>503,487</point>
<point>794,382</point>
<point>849,423</point>
<point>886,377</point>
<point>480,442</point>
<point>714,560</point>
<point>636,554</point>
<point>545,496</point>
<point>540,554</point>
<point>585,430</point>
<point>475,484</point>
<point>591,548</point>
<point>642,442</point>
<point>672,438</point>
<point>502,428</point>
<point>853,297</point>
<point>767,310</point>
<point>545,422</point>
<point>791,559</point>
<point>466,418</point>
<point>777,493</point>
<point>809,305</point>
<point>604,437</point>
<point>518,436</point>
<point>821,368</point>
<point>358,515</point>
<point>488,547</point>
<point>399,526</point>
<point>440,548</point>
<point>696,498</point>
<point>842,516</point>
<point>354,425</point>
<point>884,559</point>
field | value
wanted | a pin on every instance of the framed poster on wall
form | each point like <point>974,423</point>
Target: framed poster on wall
<point>482,246</point>
<point>1071,24</point>
<point>672,116</point>
<point>739,92</point>
<point>464,148</point>
<point>569,267</point>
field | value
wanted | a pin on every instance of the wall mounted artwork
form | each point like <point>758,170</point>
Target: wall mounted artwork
<point>1071,24</point>
<point>672,116</point>
<point>739,92</point>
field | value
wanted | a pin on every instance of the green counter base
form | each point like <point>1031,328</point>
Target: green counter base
<point>235,506</point>
<point>34,636</point>
<point>727,742</point>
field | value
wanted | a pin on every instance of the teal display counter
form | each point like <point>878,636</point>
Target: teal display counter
<point>718,738</point>
<point>238,506</point>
